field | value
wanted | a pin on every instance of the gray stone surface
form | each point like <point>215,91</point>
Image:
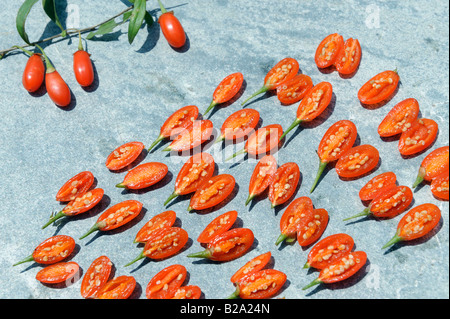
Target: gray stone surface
<point>139,85</point>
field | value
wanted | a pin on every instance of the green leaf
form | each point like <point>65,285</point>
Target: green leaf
<point>148,18</point>
<point>126,16</point>
<point>136,19</point>
<point>104,28</point>
<point>21,17</point>
<point>50,10</point>
<point>108,26</point>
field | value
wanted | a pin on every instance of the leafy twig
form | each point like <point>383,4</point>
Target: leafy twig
<point>71,31</point>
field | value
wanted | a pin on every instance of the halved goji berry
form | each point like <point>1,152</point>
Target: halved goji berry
<point>389,203</point>
<point>212,192</point>
<point>176,123</point>
<point>163,243</point>
<point>259,285</point>
<point>418,137</point>
<point>188,292</point>
<point>79,205</point>
<point>162,220</point>
<point>191,137</point>
<point>226,90</point>
<point>432,165</point>
<point>284,183</point>
<point>217,226</point>
<point>261,177</point>
<point>194,173</point>
<point>124,155</point>
<point>166,282</point>
<point>328,50</point>
<point>295,89</point>
<point>300,209</point>
<point>418,222</point>
<point>262,141</point>
<point>58,273</point>
<point>282,72</point>
<point>51,250</point>
<point>357,161</point>
<point>75,186</point>
<point>341,269</point>
<point>312,227</point>
<point>377,185</point>
<point>347,61</point>
<point>254,265</point>
<point>116,216</point>
<point>227,246</point>
<point>379,88</point>
<point>239,125</point>
<point>439,186</point>
<point>328,250</point>
<point>399,118</point>
<point>144,175</point>
<point>315,102</point>
<point>96,277</point>
<point>118,288</point>
<point>336,141</point>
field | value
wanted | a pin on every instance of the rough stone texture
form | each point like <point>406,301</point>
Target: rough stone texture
<point>137,86</point>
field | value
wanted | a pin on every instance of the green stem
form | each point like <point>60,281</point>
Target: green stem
<point>159,139</point>
<point>167,149</point>
<point>80,43</point>
<point>365,212</point>
<point>28,259</point>
<point>261,90</point>
<point>49,66</point>
<point>280,239</point>
<point>24,50</point>
<point>219,139</point>
<point>68,32</point>
<point>249,199</point>
<point>420,177</point>
<point>141,255</point>
<point>163,10</point>
<point>306,265</point>
<point>418,181</point>
<point>290,240</point>
<point>190,209</point>
<point>201,254</point>
<point>210,107</point>
<point>54,218</point>
<point>319,173</point>
<point>235,294</point>
<point>236,154</point>
<point>174,194</point>
<point>393,241</point>
<point>312,283</point>
<point>121,185</point>
<point>293,125</point>
<point>90,231</point>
